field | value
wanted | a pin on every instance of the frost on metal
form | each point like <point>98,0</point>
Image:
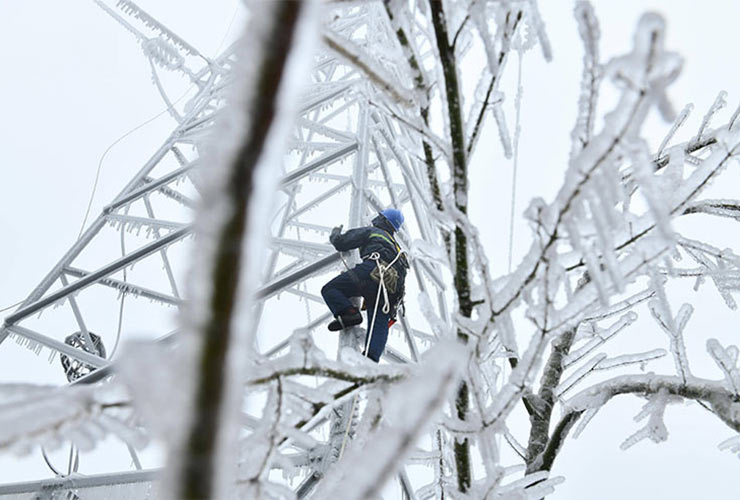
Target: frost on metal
<point>384,120</point>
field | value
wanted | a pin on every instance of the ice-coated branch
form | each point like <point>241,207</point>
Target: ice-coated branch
<point>680,120</point>
<point>719,102</point>
<point>655,429</point>
<point>84,415</point>
<point>267,442</point>
<point>540,420</point>
<point>494,70</point>
<point>722,402</point>
<point>724,145</point>
<point>588,28</point>
<point>354,54</point>
<point>726,359</point>
<point>422,128</point>
<point>719,208</point>
<point>241,184</point>
<point>535,20</point>
<point>600,336</point>
<point>406,412</point>
<point>396,11</point>
<point>556,441</point>
<point>621,127</point>
<point>459,165</point>
<point>356,376</point>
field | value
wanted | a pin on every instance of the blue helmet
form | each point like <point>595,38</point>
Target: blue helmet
<point>395,217</point>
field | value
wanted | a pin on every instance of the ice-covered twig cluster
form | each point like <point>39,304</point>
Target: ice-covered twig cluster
<point>609,231</point>
<point>536,344</point>
<point>50,416</point>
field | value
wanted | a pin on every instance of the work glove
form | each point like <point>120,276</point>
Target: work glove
<point>335,234</point>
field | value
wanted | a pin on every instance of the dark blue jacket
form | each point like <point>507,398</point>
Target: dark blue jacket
<point>373,239</point>
<point>368,240</point>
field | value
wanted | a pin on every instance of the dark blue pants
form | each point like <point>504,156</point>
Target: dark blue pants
<point>358,283</point>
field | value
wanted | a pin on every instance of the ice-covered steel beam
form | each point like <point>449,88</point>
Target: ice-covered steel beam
<point>136,221</point>
<point>127,287</point>
<point>329,95</point>
<point>149,23</point>
<point>96,276</point>
<point>78,482</point>
<point>59,346</point>
<point>319,199</point>
<point>284,243</point>
<point>175,195</point>
<point>318,163</point>
<point>293,278</point>
<point>149,187</point>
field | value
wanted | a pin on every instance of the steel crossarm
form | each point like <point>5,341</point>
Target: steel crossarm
<point>318,163</point>
<point>51,343</point>
<point>95,276</point>
<point>117,481</point>
<point>126,287</point>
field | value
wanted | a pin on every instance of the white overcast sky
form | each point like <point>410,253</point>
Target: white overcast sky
<point>74,81</point>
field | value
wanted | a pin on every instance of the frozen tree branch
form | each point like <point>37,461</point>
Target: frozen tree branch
<point>512,21</point>
<point>275,33</point>
<point>355,56</point>
<point>532,337</point>
<point>366,468</point>
<point>32,415</point>
<point>722,402</point>
<point>588,28</point>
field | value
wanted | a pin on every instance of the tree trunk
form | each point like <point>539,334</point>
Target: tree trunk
<point>460,186</point>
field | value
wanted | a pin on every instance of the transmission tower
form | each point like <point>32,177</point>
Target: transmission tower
<point>349,158</point>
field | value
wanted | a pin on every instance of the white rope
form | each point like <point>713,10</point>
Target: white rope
<point>11,306</point>
<point>169,108</point>
<point>123,295</point>
<point>517,133</point>
<point>349,424</point>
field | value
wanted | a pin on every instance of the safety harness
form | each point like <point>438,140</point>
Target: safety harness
<point>384,273</point>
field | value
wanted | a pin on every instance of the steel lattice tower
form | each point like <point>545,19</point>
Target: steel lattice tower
<point>348,159</point>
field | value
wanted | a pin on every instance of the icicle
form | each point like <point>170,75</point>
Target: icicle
<point>588,28</point>
<point>732,444</point>
<point>600,337</point>
<point>655,429</point>
<point>480,17</point>
<point>603,231</point>
<point>503,131</point>
<point>657,199</point>
<point>539,27</point>
<point>132,9</point>
<point>579,374</point>
<point>641,358</point>
<point>680,119</point>
<point>726,360</point>
<point>674,327</point>
<point>719,102</point>
<point>733,119</point>
<point>163,54</point>
<point>586,418</point>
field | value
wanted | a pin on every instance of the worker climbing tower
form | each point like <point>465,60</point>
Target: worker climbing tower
<point>350,156</point>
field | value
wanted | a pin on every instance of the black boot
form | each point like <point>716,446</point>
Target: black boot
<point>345,319</point>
